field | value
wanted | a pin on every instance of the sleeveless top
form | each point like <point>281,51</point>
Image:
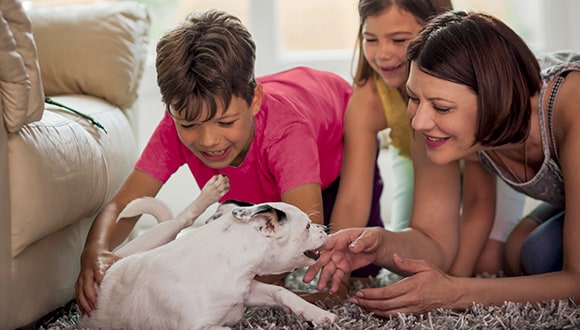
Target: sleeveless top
<point>397,117</point>
<point>548,183</point>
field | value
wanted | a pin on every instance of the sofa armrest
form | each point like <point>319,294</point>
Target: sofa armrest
<point>98,49</point>
<point>21,95</point>
<point>5,228</point>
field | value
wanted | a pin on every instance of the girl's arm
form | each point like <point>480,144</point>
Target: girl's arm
<point>478,213</point>
<point>364,118</point>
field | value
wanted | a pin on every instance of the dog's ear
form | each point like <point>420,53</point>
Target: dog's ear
<point>263,217</point>
<point>226,207</point>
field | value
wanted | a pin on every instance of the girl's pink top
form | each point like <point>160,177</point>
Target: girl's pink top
<point>298,139</point>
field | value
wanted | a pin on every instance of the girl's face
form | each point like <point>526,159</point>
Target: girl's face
<point>385,40</point>
<point>445,115</point>
<point>225,139</point>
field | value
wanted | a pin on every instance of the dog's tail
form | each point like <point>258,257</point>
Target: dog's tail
<point>146,205</point>
<point>165,231</point>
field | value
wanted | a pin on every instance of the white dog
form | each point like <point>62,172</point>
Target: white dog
<point>205,278</point>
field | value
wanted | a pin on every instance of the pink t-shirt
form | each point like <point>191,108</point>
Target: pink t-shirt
<point>298,139</point>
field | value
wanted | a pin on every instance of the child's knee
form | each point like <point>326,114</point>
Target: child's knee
<point>514,242</point>
<point>542,250</point>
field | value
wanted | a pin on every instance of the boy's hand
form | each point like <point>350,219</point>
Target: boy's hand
<point>94,264</point>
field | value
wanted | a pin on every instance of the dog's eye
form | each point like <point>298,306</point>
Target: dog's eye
<point>307,226</point>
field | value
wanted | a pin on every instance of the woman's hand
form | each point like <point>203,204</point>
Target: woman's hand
<point>345,251</point>
<point>426,289</point>
<point>94,264</point>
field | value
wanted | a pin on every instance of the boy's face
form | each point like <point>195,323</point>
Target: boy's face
<point>225,139</point>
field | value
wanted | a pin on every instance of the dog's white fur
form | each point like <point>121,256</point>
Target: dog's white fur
<point>205,278</point>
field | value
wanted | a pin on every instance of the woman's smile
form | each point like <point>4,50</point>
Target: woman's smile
<point>434,142</point>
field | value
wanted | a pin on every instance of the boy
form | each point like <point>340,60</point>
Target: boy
<point>277,139</point>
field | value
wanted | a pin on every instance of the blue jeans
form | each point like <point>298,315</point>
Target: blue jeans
<point>542,250</point>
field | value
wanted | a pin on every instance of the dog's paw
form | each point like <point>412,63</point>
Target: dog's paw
<point>327,318</point>
<point>318,316</point>
<point>215,189</point>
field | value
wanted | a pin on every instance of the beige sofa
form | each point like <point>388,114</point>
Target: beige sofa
<point>57,169</point>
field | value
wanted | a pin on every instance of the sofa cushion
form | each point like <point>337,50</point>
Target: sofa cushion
<point>62,168</point>
<point>21,94</point>
<point>94,51</point>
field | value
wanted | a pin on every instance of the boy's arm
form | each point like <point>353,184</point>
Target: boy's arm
<point>478,203</point>
<point>308,198</point>
<point>106,233</point>
<point>105,230</point>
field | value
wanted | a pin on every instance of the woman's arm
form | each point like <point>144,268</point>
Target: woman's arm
<point>478,213</point>
<point>364,118</point>
<point>434,231</point>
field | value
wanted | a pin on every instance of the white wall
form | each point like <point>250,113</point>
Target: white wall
<point>562,24</point>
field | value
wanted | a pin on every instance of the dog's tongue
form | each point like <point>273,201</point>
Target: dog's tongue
<point>312,254</point>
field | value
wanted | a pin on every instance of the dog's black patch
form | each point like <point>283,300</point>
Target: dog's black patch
<point>265,208</point>
<point>237,202</point>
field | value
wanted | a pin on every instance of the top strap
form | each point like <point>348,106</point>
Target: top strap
<point>551,101</point>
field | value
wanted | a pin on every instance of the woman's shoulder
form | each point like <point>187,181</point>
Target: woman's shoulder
<point>554,64</point>
<point>566,119</point>
<point>552,60</point>
<point>568,97</point>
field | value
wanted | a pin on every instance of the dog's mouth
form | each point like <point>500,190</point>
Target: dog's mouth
<point>312,254</point>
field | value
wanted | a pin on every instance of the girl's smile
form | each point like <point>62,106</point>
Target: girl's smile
<point>386,37</point>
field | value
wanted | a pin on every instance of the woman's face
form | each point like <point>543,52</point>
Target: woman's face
<point>385,40</point>
<point>444,114</point>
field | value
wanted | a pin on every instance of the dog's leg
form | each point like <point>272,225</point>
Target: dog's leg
<point>211,193</point>
<point>262,294</point>
<point>166,231</point>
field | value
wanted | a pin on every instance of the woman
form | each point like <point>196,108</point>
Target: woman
<point>476,93</point>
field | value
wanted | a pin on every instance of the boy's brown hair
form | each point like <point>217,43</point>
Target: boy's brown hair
<point>484,54</point>
<point>203,62</point>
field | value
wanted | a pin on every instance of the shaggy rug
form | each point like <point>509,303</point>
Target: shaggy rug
<point>561,314</point>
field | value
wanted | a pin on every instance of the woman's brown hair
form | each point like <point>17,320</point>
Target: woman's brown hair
<point>483,53</point>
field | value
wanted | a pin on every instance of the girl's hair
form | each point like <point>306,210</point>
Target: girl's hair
<point>203,62</point>
<point>484,54</point>
<point>423,10</point>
